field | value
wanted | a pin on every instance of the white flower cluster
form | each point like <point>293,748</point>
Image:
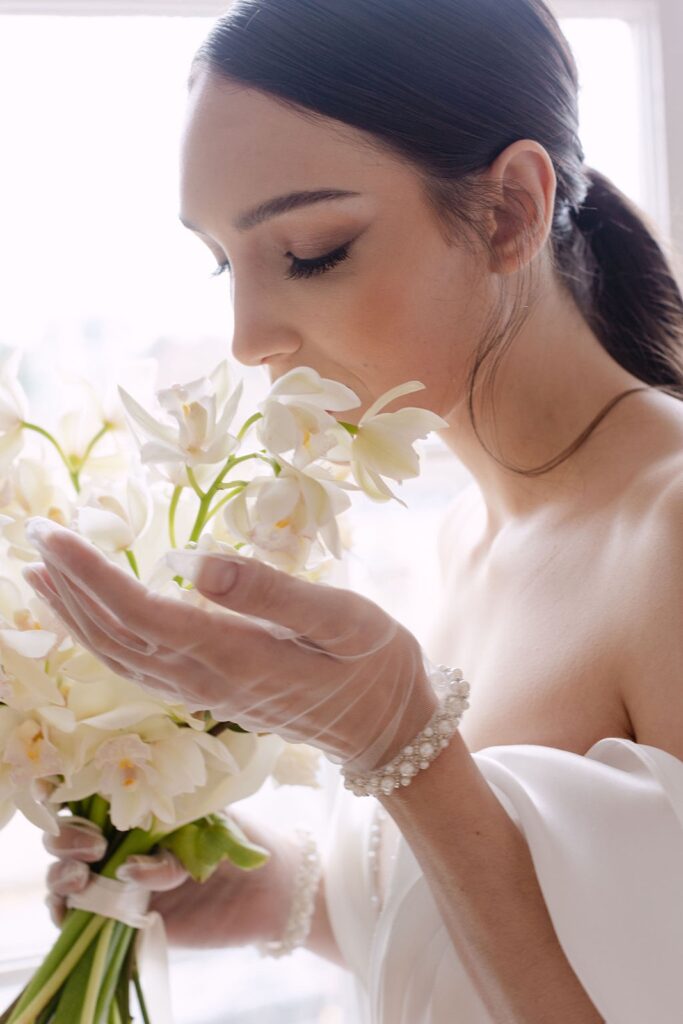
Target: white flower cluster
<point>132,482</point>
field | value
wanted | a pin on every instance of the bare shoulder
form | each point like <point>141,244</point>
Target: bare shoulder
<point>652,679</point>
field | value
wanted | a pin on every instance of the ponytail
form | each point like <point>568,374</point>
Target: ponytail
<point>624,284</point>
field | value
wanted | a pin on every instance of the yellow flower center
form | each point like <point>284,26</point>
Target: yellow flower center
<point>282,523</point>
<point>56,515</point>
<point>24,620</point>
<point>33,748</point>
<point>128,768</point>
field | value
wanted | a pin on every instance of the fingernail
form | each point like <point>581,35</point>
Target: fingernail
<point>39,529</point>
<point>73,870</point>
<point>218,572</point>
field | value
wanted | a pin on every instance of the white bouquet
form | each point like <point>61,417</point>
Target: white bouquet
<point>75,737</point>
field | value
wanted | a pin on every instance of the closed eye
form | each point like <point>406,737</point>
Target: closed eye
<point>304,268</point>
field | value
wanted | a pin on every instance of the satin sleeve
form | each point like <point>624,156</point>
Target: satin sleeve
<point>606,835</point>
<point>605,832</point>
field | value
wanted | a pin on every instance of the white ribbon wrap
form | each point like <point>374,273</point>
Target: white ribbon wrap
<point>127,902</point>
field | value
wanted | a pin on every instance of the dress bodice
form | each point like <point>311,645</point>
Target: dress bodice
<point>605,831</point>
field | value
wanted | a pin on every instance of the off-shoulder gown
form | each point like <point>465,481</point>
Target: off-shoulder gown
<point>605,831</point>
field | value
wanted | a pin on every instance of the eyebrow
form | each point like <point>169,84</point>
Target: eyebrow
<point>278,205</point>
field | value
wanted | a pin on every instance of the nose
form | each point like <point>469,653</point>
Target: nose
<point>259,334</point>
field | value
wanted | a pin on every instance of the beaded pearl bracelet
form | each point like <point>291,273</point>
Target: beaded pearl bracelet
<point>302,910</point>
<point>452,690</point>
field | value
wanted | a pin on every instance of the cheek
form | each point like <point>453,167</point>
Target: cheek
<point>399,326</point>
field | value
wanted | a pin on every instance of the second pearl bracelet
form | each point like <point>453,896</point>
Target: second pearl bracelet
<point>303,901</point>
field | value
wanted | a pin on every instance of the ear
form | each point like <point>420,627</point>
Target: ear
<point>522,218</point>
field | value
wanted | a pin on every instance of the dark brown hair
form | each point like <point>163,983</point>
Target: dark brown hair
<point>446,86</point>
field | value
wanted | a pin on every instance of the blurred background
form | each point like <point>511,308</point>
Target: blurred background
<point>96,271</point>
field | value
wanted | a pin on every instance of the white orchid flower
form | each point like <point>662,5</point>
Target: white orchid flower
<point>29,752</point>
<point>255,756</point>
<point>203,410</point>
<point>13,409</point>
<point>141,772</point>
<point>110,521</point>
<point>176,473</point>
<point>101,699</point>
<point>382,444</point>
<point>25,685</point>
<point>297,765</point>
<point>30,491</point>
<point>163,574</point>
<point>29,613</point>
<point>75,433</point>
<point>27,757</point>
<point>282,516</point>
<point>102,402</point>
<point>304,384</point>
<point>296,415</point>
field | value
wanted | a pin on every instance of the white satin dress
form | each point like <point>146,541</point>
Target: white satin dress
<point>605,831</point>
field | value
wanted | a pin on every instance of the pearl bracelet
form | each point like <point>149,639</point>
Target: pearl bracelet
<point>453,691</point>
<point>301,913</point>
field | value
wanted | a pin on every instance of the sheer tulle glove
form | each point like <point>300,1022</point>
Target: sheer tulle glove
<point>313,663</point>
<point>233,907</point>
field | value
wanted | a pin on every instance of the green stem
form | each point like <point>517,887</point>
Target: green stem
<point>26,1011</point>
<point>78,930</point>
<point>205,503</point>
<point>99,966</point>
<point>73,474</point>
<point>177,491</point>
<point>245,427</point>
<point>122,937</point>
<point>98,812</point>
<point>141,998</point>
<point>232,483</point>
<point>114,1015</point>
<point>223,501</point>
<point>133,562</point>
<point>74,924</point>
<point>100,433</point>
<point>193,483</point>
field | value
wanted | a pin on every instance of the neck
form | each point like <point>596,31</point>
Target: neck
<point>552,381</point>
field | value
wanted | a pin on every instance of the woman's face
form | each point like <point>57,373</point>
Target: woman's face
<point>401,306</point>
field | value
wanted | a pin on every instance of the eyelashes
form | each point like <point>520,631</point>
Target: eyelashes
<point>307,268</point>
<point>304,268</point>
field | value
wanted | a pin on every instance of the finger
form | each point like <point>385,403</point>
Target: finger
<point>108,622</point>
<point>229,657</point>
<point>67,876</point>
<point>226,652</point>
<point>57,907</point>
<point>160,871</point>
<point>76,841</point>
<point>317,611</point>
<point>43,584</point>
<point>147,614</point>
<point>120,660</point>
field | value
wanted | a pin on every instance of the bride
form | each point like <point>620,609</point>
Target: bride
<point>397,191</point>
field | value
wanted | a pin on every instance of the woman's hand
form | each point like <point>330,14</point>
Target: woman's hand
<point>335,671</point>
<point>233,907</point>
